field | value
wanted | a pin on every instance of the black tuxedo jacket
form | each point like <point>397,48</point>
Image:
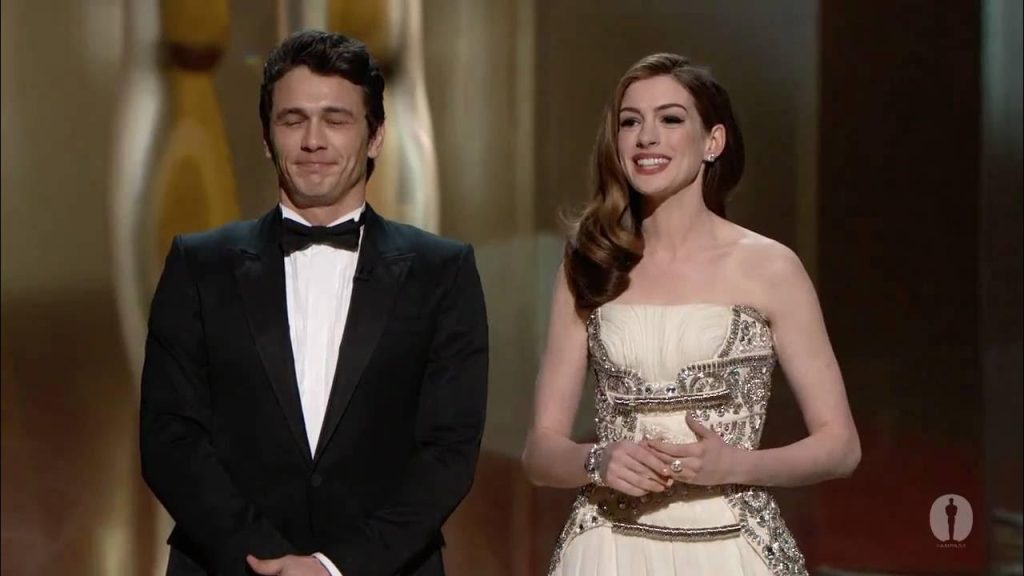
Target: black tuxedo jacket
<point>223,442</point>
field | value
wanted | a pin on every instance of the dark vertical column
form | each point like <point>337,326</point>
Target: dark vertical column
<point>898,275</point>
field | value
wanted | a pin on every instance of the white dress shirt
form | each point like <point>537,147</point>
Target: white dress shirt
<point>318,288</point>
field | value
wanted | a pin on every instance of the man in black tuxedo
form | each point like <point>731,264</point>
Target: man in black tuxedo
<point>315,382</point>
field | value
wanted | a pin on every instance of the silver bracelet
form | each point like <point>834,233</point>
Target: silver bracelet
<point>593,464</point>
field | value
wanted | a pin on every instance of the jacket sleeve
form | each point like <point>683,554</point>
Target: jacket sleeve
<point>218,527</point>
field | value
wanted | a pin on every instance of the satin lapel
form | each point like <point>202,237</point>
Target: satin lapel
<point>379,274</point>
<point>260,276</point>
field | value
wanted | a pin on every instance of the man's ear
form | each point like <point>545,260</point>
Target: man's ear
<point>376,142</point>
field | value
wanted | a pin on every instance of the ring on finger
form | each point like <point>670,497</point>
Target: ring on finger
<point>677,465</point>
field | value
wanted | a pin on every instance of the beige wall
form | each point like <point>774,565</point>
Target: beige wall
<point>72,498</point>
<point>56,135</point>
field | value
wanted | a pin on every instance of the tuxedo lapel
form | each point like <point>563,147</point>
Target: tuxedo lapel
<point>379,274</point>
<point>259,272</point>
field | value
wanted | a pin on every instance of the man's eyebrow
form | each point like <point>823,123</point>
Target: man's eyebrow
<point>305,113</point>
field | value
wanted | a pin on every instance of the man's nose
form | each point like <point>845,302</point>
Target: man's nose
<point>313,136</point>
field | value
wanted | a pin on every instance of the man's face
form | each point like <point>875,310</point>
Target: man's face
<point>320,139</point>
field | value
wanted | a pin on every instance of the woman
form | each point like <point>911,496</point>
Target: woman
<point>682,315</point>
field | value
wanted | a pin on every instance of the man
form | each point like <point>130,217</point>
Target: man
<point>315,381</point>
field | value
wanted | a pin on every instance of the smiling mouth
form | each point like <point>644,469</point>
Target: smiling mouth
<point>314,165</point>
<point>651,164</point>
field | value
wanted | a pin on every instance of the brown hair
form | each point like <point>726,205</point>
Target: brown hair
<point>605,242</point>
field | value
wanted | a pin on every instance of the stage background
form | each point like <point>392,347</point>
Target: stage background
<point>884,146</point>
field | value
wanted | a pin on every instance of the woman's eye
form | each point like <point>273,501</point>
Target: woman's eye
<point>628,122</point>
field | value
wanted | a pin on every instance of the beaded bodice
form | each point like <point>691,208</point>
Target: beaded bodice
<point>728,389</point>
<point>655,364</point>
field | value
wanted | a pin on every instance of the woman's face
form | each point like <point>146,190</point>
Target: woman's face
<point>661,140</point>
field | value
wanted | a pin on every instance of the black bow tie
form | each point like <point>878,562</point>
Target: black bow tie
<point>297,236</point>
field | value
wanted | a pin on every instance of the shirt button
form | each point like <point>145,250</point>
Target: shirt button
<point>316,480</point>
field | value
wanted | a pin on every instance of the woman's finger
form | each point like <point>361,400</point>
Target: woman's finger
<point>642,482</point>
<point>618,482</point>
<point>676,450</point>
<point>686,469</point>
<point>652,482</point>
<point>652,460</point>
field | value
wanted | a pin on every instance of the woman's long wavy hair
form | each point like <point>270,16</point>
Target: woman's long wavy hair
<point>605,240</point>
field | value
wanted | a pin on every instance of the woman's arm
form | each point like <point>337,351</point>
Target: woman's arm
<point>551,457</point>
<point>831,448</point>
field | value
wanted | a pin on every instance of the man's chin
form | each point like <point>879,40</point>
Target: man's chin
<point>313,199</point>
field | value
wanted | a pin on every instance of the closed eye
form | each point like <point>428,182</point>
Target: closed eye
<point>291,119</point>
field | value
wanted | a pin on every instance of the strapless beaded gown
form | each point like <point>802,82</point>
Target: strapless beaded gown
<point>653,364</point>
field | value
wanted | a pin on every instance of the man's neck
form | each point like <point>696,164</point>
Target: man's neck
<point>326,215</point>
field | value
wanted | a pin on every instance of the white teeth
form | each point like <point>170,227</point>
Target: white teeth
<point>648,162</point>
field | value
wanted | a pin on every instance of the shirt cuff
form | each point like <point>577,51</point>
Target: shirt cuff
<point>327,564</point>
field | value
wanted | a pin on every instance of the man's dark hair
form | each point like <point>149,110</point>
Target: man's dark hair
<point>326,54</point>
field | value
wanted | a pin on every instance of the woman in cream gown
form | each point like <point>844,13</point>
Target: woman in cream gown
<point>682,317</point>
